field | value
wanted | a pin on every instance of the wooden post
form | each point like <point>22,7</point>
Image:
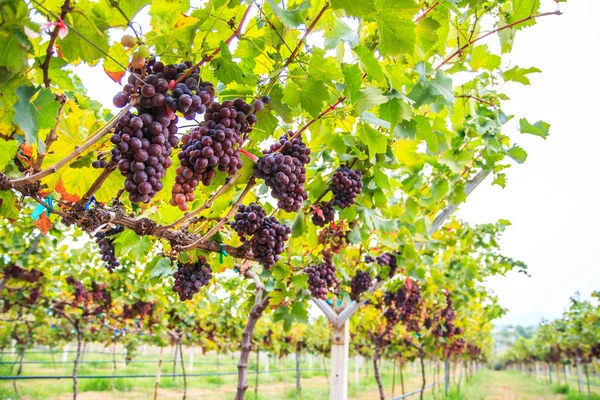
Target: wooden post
<point>446,377</point>
<point>339,362</point>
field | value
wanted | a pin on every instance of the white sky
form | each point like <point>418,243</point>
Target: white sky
<point>551,199</point>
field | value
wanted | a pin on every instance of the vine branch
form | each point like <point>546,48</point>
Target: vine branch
<point>427,11</point>
<point>473,41</point>
<point>65,9</point>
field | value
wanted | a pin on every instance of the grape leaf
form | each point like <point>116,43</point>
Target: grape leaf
<point>539,128</point>
<point>517,154</point>
<point>370,63</point>
<point>375,141</point>
<point>340,32</point>
<point>291,17</point>
<point>354,8</point>
<point>481,58</point>
<point>397,35</point>
<point>312,96</point>
<point>517,74</point>
<point>8,205</point>
<point>8,149</point>
<point>368,98</point>
<point>31,116</point>
<point>228,71</point>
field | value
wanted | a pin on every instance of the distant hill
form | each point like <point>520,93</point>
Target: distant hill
<point>529,319</point>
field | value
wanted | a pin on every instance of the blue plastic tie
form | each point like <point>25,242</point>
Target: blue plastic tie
<point>39,210</point>
<point>222,253</point>
<point>89,203</point>
<point>329,302</point>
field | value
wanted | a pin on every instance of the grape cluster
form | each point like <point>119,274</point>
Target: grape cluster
<point>248,220</point>
<point>360,283</point>
<point>98,294</point>
<point>447,318</point>
<point>282,168</point>
<point>138,309</point>
<point>13,271</point>
<point>388,259</point>
<point>391,316</point>
<point>107,247</point>
<point>79,293</point>
<point>321,277</point>
<point>405,302</point>
<point>160,94</point>
<point>269,241</point>
<point>327,211</point>
<point>345,185</point>
<point>143,144</point>
<point>189,278</point>
<point>237,115</point>
<point>99,163</point>
<point>368,259</point>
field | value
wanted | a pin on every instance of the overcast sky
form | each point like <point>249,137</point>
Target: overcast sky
<point>552,198</point>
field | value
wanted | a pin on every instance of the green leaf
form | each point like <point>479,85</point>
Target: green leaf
<point>370,64</point>
<point>517,74</point>
<point>517,154</point>
<point>440,189</point>
<point>227,71</point>
<point>397,35</point>
<point>8,149</point>
<point>429,91</point>
<point>481,58</point>
<point>32,116</point>
<point>354,8</point>
<point>131,245</point>
<point>340,32</point>
<point>539,128</point>
<point>500,180</point>
<point>375,141</point>
<point>159,267</point>
<point>291,17</point>
<point>522,9</point>
<point>14,46</point>
<point>8,205</point>
<point>368,98</point>
<point>456,161</point>
<point>312,96</point>
<point>353,80</point>
<point>90,20</point>
<point>299,226</point>
<point>425,131</point>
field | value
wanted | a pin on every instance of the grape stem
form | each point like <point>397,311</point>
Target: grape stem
<point>65,9</point>
<point>97,184</point>
<point>289,60</point>
<point>216,51</point>
<point>249,155</point>
<point>312,121</point>
<point>427,11</point>
<point>52,136</point>
<point>222,222</point>
<point>204,206</point>
<point>79,150</point>
<point>473,41</point>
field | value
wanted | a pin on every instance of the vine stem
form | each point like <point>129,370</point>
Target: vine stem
<point>260,304</point>
<point>65,9</point>
<point>95,138</point>
<point>223,220</point>
<point>52,136</point>
<point>473,41</point>
<point>97,183</point>
<point>289,60</point>
<point>479,99</point>
<point>312,121</point>
<point>216,51</point>
<point>427,11</point>
<point>204,206</point>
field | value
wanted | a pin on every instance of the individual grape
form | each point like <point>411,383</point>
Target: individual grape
<point>345,185</point>
<point>137,61</point>
<point>128,41</point>
<point>322,277</point>
<point>282,168</point>
<point>205,151</point>
<point>143,144</point>
<point>248,220</point>
<point>258,105</point>
<point>388,259</point>
<point>189,278</point>
<point>327,211</point>
<point>266,99</point>
<point>269,241</point>
<point>144,51</point>
<point>360,283</point>
<point>120,100</point>
<point>107,248</point>
<point>368,259</point>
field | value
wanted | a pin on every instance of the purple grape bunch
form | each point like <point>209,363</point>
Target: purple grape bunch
<point>190,277</point>
<point>322,277</point>
<point>345,185</point>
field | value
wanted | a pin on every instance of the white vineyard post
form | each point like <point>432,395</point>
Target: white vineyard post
<point>537,371</point>
<point>339,362</point>
<point>266,357</point>
<point>357,360</point>
<point>579,375</point>
<point>446,377</point>
<point>191,367</point>
<point>65,351</point>
<point>310,360</point>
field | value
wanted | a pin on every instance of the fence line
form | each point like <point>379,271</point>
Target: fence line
<point>416,391</point>
<point>111,361</point>
<point>39,377</point>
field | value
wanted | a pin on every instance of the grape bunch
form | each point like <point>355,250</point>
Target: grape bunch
<point>327,211</point>
<point>237,115</point>
<point>345,185</point>
<point>269,241</point>
<point>138,309</point>
<point>368,259</point>
<point>405,300</point>
<point>391,316</point>
<point>282,168</point>
<point>160,94</point>
<point>359,284</point>
<point>447,318</point>
<point>321,277</point>
<point>205,150</point>
<point>107,247</point>
<point>388,259</point>
<point>80,293</point>
<point>248,220</point>
<point>143,145</point>
<point>189,278</point>
<point>13,271</point>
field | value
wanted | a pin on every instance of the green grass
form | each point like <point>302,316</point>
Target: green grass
<point>561,389</point>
